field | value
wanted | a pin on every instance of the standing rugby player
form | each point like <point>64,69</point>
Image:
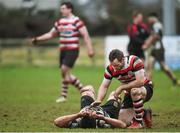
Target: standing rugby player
<point>157,53</point>
<point>68,28</point>
<point>134,83</point>
<point>138,32</point>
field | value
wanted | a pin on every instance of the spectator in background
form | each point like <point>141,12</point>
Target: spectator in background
<point>138,33</point>
<point>68,28</point>
<point>157,53</point>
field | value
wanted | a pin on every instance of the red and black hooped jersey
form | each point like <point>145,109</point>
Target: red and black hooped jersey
<point>137,33</point>
<point>68,29</point>
<point>127,74</point>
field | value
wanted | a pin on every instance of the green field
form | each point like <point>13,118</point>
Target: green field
<point>28,94</point>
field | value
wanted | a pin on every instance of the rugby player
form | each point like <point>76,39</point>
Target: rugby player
<point>134,83</point>
<point>68,28</point>
<point>105,116</point>
<point>157,53</point>
<point>138,32</point>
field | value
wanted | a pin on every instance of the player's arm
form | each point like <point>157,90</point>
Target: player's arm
<point>63,121</point>
<point>102,92</point>
<point>138,68</point>
<point>111,121</point>
<point>84,32</point>
<point>103,89</point>
<point>51,34</point>
<point>151,39</point>
<point>138,82</point>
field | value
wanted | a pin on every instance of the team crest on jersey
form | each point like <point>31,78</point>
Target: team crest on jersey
<point>115,104</point>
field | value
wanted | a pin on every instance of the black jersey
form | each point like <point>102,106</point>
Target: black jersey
<point>137,33</point>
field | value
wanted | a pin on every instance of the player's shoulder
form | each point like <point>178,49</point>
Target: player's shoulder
<point>136,63</point>
<point>110,69</point>
<point>132,58</point>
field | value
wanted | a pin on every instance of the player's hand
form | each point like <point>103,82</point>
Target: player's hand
<point>90,53</point>
<point>34,40</point>
<point>144,47</point>
<point>83,113</point>
<point>96,116</point>
<point>95,103</point>
<point>93,115</point>
<point>118,91</point>
<point>29,42</point>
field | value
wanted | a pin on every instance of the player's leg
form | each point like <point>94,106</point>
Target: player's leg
<point>168,72</point>
<point>87,96</point>
<point>65,74</point>
<point>150,66</point>
<point>70,61</point>
<point>112,106</point>
<point>139,96</point>
<point>67,61</point>
<point>126,115</point>
<point>64,83</point>
<point>76,82</point>
<point>126,112</point>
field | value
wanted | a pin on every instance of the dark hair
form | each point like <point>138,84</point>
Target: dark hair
<point>153,14</point>
<point>69,5</point>
<point>116,54</point>
<point>88,122</point>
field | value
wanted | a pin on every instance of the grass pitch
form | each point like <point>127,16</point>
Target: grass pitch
<point>28,94</point>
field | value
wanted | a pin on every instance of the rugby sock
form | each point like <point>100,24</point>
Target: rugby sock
<point>76,82</point>
<point>64,89</point>
<point>139,110</point>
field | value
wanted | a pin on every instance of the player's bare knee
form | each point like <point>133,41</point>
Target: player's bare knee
<point>165,69</point>
<point>88,91</point>
<point>56,122</point>
<point>111,96</point>
<point>135,92</point>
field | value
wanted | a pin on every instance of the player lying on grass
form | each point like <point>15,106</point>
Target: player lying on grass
<point>134,83</point>
<point>105,116</point>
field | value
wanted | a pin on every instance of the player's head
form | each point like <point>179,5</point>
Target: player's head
<point>66,9</point>
<point>88,122</point>
<point>152,17</point>
<point>116,58</point>
<point>137,17</point>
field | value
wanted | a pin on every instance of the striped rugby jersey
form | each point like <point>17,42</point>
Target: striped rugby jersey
<point>127,74</point>
<point>68,29</point>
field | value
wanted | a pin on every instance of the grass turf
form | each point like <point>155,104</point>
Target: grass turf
<point>27,99</point>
